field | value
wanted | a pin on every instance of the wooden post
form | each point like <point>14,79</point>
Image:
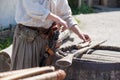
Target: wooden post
<point>105,2</point>
<point>79,3</point>
<point>90,3</point>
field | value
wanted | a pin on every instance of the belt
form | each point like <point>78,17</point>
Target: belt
<point>39,29</point>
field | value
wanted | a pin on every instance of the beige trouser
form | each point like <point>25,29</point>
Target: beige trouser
<point>28,49</point>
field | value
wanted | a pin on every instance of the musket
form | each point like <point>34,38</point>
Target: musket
<point>67,60</point>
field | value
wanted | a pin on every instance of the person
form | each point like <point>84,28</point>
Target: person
<point>33,17</point>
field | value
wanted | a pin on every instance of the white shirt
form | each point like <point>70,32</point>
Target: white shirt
<point>35,12</point>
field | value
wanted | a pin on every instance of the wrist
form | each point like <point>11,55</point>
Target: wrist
<point>53,17</point>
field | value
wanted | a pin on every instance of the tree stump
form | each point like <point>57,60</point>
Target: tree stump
<point>100,65</point>
<point>5,59</point>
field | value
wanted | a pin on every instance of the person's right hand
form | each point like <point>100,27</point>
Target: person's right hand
<point>58,21</point>
<point>62,24</point>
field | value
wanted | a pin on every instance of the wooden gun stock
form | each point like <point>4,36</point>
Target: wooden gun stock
<point>67,60</point>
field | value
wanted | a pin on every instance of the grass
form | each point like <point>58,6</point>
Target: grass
<point>84,9</point>
<point>77,20</point>
<point>5,42</point>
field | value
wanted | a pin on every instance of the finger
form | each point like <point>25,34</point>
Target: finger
<point>63,29</point>
<point>58,26</point>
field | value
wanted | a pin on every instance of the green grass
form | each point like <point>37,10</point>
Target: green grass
<point>5,42</point>
<point>77,20</point>
<point>84,9</point>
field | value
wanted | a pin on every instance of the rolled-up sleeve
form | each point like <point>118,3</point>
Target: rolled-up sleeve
<point>65,13</point>
<point>35,10</point>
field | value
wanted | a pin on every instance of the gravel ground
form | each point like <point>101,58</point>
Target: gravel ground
<point>102,25</point>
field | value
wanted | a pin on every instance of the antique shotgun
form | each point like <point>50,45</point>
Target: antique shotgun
<point>67,60</point>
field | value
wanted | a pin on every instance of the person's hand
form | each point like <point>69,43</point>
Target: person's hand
<point>86,38</point>
<point>62,24</point>
<point>59,21</point>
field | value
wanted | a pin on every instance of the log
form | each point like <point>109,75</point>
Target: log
<point>5,60</point>
<point>19,74</point>
<point>40,70</point>
<point>56,75</point>
<point>99,65</point>
<point>36,73</point>
<point>8,51</point>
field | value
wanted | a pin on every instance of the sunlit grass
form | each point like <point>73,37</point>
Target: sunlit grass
<point>5,42</point>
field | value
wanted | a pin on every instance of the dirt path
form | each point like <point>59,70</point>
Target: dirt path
<point>102,25</point>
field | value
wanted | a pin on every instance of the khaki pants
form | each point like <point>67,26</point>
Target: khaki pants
<point>28,49</point>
